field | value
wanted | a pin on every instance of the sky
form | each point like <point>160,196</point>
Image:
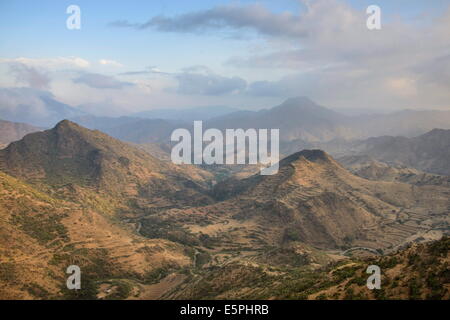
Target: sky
<point>130,56</point>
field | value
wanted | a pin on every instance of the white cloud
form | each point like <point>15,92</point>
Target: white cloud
<point>51,63</point>
<point>30,76</point>
<point>325,52</point>
<point>112,63</point>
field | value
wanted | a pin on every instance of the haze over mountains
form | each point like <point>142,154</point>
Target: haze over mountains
<point>187,115</point>
<point>300,118</point>
<point>429,152</point>
<point>303,125</point>
<point>13,131</point>
<point>36,107</point>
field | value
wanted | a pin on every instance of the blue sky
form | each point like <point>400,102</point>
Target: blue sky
<point>39,31</point>
<point>310,47</point>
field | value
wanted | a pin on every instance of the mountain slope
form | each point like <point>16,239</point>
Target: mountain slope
<point>371,169</point>
<point>69,156</point>
<point>41,236</point>
<point>316,201</point>
<point>302,121</point>
<point>13,131</point>
<point>417,273</point>
<point>296,118</point>
<point>429,152</point>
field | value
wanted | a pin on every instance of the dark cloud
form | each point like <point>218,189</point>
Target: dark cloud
<point>121,24</point>
<point>100,81</point>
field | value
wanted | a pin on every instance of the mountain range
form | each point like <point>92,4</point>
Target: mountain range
<point>302,119</point>
<point>186,115</point>
<point>141,227</point>
<point>299,119</point>
<point>429,152</point>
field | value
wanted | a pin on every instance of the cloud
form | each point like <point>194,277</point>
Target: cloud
<point>11,98</point>
<point>268,88</point>
<point>148,70</point>
<point>37,107</point>
<point>338,61</point>
<point>134,73</point>
<point>51,63</point>
<point>99,81</point>
<point>36,73</point>
<point>328,52</point>
<point>200,80</point>
<point>254,17</point>
<point>29,76</point>
<point>112,63</point>
<point>324,51</point>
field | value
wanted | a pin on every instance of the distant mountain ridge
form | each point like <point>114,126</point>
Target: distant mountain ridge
<point>186,115</point>
<point>296,118</point>
<point>136,130</point>
<point>13,131</point>
<point>36,107</point>
<point>302,119</point>
<point>299,119</point>
<point>429,152</point>
<point>371,169</point>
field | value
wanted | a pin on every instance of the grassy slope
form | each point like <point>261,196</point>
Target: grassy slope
<point>41,236</point>
<point>419,272</point>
